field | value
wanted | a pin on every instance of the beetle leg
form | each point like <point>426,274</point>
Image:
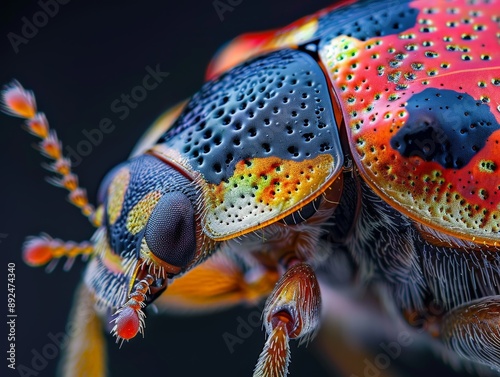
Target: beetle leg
<point>43,249</point>
<point>473,330</point>
<point>85,348</point>
<point>291,312</point>
<point>215,284</point>
<point>129,319</point>
<point>17,101</point>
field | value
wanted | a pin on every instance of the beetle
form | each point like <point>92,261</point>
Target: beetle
<point>400,157</point>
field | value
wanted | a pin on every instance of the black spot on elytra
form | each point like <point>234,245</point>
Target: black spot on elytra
<point>446,127</point>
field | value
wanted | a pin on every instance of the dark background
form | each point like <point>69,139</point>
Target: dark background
<point>77,65</point>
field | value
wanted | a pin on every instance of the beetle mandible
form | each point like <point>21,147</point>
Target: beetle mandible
<point>341,133</point>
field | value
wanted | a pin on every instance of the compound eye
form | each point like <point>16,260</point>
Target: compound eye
<point>170,232</point>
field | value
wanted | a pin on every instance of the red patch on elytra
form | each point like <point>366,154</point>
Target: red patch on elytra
<point>453,46</point>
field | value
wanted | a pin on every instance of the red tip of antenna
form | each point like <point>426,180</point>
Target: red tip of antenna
<point>127,323</point>
<point>38,251</point>
<point>18,102</point>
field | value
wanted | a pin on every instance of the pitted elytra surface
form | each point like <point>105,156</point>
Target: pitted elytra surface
<point>452,47</point>
<point>362,20</point>
<point>446,127</point>
<point>277,105</point>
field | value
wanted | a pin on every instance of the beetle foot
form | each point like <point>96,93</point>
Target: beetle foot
<point>129,319</point>
<point>40,250</point>
<point>473,331</point>
<point>291,312</point>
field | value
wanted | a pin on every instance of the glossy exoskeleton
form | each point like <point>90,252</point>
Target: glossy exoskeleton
<point>368,129</point>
